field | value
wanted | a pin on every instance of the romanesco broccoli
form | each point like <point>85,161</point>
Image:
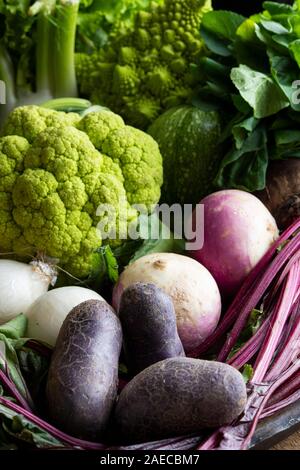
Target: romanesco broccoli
<point>146,70</point>
<point>53,180</point>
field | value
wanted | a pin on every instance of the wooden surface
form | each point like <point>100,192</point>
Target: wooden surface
<point>291,443</point>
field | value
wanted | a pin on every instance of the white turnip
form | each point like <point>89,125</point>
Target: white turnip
<point>46,315</point>
<point>193,290</point>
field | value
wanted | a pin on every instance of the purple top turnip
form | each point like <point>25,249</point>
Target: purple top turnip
<point>238,230</point>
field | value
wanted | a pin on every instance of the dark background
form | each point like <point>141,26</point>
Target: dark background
<point>245,7</point>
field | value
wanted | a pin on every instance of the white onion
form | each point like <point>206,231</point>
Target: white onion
<point>47,314</point>
<point>20,285</point>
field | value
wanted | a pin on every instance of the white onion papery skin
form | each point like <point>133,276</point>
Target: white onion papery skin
<point>20,285</point>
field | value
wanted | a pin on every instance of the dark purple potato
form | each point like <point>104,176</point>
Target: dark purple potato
<point>179,396</point>
<point>83,375</point>
<point>149,326</point>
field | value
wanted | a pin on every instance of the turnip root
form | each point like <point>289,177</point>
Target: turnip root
<point>193,290</point>
<point>46,315</point>
<point>238,230</point>
<point>282,193</point>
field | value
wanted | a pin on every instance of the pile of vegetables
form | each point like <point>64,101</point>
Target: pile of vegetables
<point>258,335</point>
<point>111,339</point>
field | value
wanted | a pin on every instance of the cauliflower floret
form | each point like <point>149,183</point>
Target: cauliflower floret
<point>12,151</point>
<point>139,158</point>
<point>98,125</point>
<point>29,121</point>
<point>132,151</point>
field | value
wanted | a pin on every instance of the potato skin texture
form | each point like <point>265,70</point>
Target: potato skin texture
<point>83,376</point>
<point>179,396</point>
<point>148,321</point>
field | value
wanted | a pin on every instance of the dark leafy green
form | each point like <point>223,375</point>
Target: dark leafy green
<point>253,74</point>
<point>19,429</point>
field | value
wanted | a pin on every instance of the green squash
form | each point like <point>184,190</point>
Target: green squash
<point>189,143</point>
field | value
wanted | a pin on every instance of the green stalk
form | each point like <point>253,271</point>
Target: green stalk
<point>64,47</point>
<point>68,105</point>
<point>44,72</point>
<point>7,76</point>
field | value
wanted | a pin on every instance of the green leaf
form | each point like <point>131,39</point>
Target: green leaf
<point>15,328</point>
<point>286,74</point>
<point>245,167</point>
<point>222,23</point>
<point>259,90</point>
<point>247,372</point>
<point>283,40</point>
<point>246,32</point>
<point>215,69</point>
<point>275,42</point>
<point>9,363</point>
<point>294,22</point>
<point>214,44</point>
<point>242,130</point>
<point>241,105</point>
<point>111,263</point>
<point>254,322</point>
<point>34,368</point>
<point>287,137</point>
<point>275,8</point>
<point>249,50</point>
<point>274,27</point>
<point>295,49</point>
<point>20,428</point>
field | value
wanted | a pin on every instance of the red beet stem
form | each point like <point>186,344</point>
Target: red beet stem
<point>245,292</point>
<point>283,310</point>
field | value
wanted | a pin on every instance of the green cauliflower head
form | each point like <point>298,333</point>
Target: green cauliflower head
<point>30,121</point>
<point>146,70</point>
<point>62,197</point>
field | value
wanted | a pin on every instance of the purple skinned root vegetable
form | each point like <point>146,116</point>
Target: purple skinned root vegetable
<point>148,321</point>
<point>83,376</point>
<point>238,231</point>
<point>179,396</point>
